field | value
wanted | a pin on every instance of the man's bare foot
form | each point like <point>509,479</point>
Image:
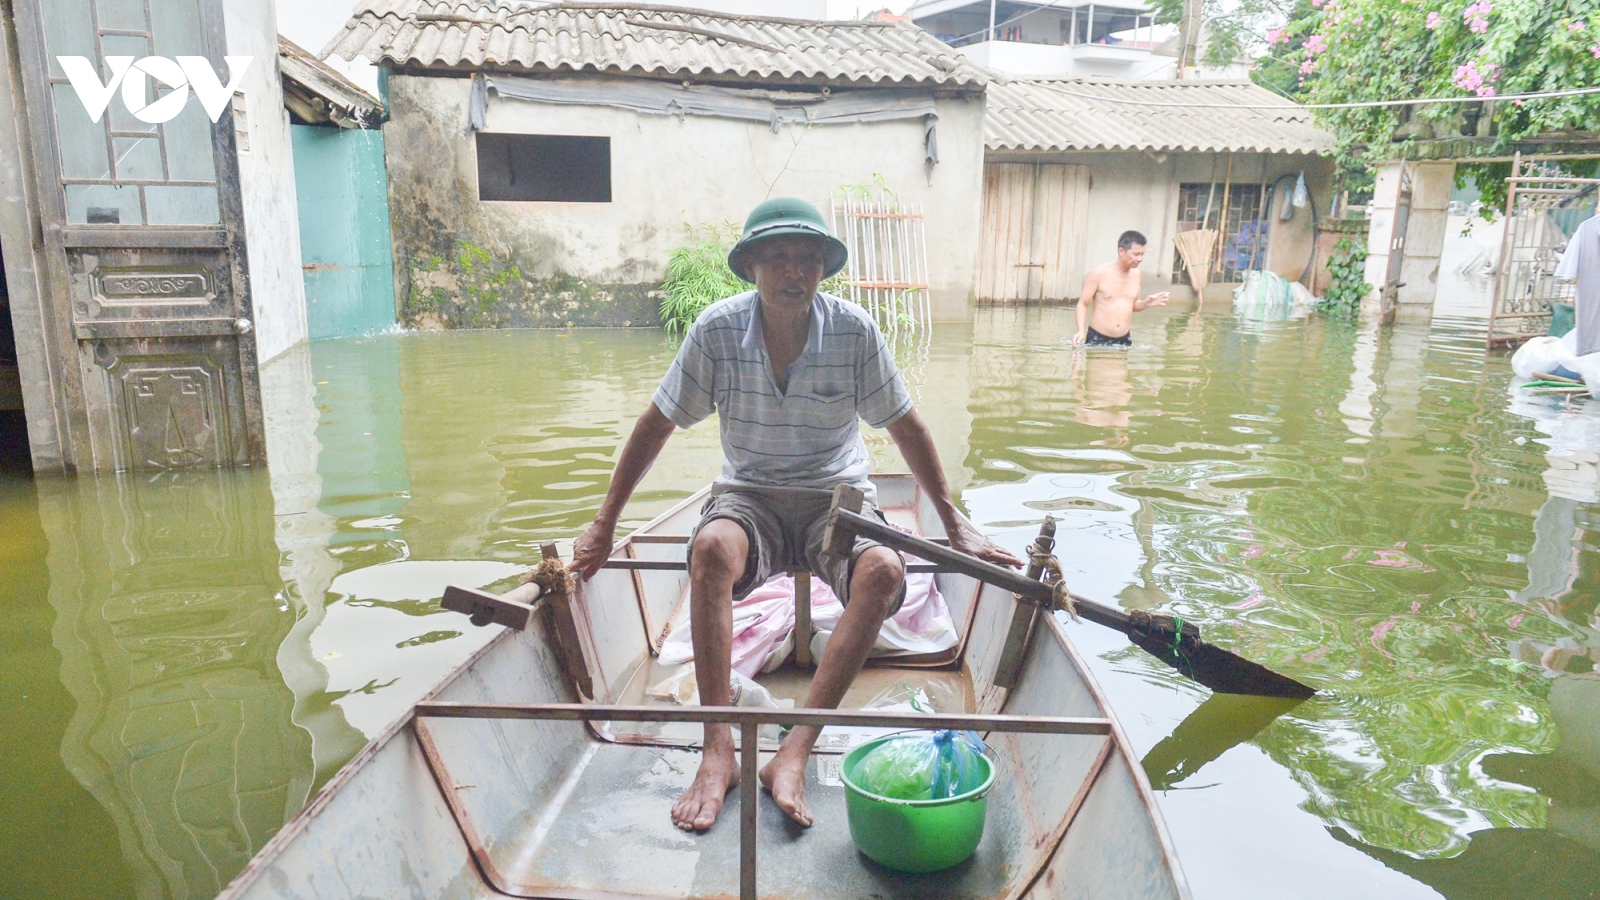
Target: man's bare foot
<point>697,809</point>
<point>785,778</point>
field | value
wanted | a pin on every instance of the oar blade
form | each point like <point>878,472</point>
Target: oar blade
<point>1218,669</point>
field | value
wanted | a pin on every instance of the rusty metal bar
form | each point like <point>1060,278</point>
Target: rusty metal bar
<point>802,619</point>
<point>749,744</point>
<point>742,715</point>
<point>675,565</point>
<point>684,539</point>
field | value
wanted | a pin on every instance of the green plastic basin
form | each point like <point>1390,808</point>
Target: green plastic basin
<point>914,835</point>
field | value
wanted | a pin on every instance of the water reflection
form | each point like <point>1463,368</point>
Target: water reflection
<point>1339,502</point>
<point>169,613</point>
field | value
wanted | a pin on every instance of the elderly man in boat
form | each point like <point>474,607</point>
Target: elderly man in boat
<point>791,373</point>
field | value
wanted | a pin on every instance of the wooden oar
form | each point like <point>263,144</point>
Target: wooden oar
<point>1165,637</point>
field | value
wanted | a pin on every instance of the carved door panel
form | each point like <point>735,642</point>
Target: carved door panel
<point>144,233</point>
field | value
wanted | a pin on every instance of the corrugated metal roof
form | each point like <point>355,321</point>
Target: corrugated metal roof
<point>652,40</point>
<point>1094,114</point>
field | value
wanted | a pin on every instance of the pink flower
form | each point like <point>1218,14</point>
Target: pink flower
<point>1575,26</point>
<point>1310,65</point>
<point>1276,35</point>
<point>1595,49</point>
<point>1315,44</point>
<point>1434,20</point>
<point>1467,77</point>
<point>1486,91</point>
<point>1475,17</point>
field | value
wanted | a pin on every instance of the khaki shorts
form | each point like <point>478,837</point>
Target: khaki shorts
<point>785,527</point>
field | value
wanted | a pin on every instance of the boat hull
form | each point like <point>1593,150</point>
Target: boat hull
<point>483,807</point>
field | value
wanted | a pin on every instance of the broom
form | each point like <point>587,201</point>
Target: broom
<point>1195,248</point>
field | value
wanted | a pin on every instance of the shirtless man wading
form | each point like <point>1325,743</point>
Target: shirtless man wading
<point>791,374</point>
<point>1113,292</point>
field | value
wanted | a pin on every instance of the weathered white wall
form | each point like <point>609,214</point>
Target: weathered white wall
<point>1431,184</point>
<point>1139,191</point>
<point>665,173</point>
<point>266,182</point>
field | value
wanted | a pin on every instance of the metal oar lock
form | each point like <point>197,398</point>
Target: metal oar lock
<point>1168,638</point>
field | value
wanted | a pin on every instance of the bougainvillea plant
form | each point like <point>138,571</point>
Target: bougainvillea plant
<point>1339,51</point>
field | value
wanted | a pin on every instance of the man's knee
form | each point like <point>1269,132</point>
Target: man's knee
<point>720,553</point>
<point>879,573</point>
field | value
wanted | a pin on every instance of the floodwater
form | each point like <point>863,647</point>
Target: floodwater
<point>186,658</point>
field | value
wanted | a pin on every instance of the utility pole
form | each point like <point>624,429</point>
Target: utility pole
<point>1188,34</point>
<point>991,19</point>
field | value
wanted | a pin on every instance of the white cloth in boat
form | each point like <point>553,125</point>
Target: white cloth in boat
<point>808,435</point>
<point>763,625</point>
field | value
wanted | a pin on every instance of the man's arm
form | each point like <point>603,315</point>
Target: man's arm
<point>1152,300</point>
<point>916,445</point>
<point>650,434</point>
<point>1091,285</point>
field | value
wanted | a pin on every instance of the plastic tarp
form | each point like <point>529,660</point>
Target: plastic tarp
<point>658,98</point>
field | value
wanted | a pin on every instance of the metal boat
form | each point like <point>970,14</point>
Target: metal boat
<point>540,768</point>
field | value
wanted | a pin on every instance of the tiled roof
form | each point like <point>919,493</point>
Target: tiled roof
<point>317,94</point>
<point>647,40</point>
<point>1096,114</point>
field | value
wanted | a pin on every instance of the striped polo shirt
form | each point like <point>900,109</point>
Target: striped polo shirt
<point>809,436</point>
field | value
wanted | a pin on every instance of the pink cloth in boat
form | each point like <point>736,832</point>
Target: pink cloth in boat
<point>763,624</point>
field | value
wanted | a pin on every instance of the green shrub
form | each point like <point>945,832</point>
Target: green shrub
<point>698,276</point>
<point>1349,285</point>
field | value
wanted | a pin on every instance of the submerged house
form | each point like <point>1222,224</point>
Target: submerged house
<point>1071,163</point>
<point>544,161</point>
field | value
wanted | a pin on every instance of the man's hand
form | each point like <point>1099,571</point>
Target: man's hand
<point>970,541</point>
<point>1081,336</point>
<point>592,548</point>
<point>1157,299</point>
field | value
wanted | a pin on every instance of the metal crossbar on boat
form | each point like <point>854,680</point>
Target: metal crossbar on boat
<point>748,721</point>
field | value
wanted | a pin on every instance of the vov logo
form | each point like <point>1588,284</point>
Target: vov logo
<point>180,75</point>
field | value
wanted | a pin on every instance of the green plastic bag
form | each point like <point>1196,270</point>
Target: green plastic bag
<point>931,766</point>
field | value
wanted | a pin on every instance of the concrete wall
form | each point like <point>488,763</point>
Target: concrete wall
<point>344,230</point>
<point>465,263</point>
<point>266,182</point>
<point>1139,191</point>
<point>1431,184</point>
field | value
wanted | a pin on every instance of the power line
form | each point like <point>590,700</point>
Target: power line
<point>1361,104</point>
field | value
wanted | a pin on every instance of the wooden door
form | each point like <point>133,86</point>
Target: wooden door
<point>150,333</point>
<point>1035,216</point>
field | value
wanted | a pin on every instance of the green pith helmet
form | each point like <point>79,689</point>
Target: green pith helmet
<point>786,215</point>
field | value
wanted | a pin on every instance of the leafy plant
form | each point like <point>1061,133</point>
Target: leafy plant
<point>698,276</point>
<point>1356,50</point>
<point>1349,284</point>
<point>1229,28</point>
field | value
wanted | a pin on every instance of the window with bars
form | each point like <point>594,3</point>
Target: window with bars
<point>1241,228</point>
<point>120,170</point>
